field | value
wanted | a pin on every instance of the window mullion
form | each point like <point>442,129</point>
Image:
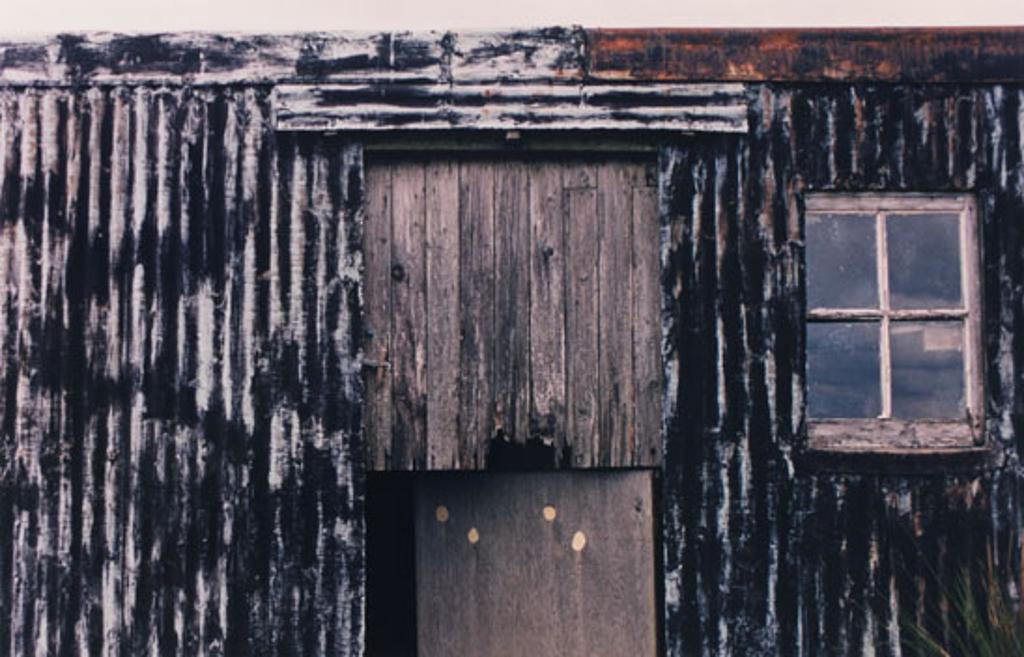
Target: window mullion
<point>885,366</point>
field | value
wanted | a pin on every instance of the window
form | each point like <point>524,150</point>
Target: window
<point>893,322</point>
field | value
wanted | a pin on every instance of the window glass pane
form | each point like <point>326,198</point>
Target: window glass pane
<point>841,270</point>
<point>927,370</point>
<point>924,260</point>
<point>842,370</point>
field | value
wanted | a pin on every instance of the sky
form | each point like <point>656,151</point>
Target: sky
<point>49,16</point>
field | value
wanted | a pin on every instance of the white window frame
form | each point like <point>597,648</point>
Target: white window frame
<point>886,433</point>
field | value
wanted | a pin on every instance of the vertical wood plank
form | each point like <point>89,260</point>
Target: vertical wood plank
<point>648,371</point>
<point>512,301</point>
<point>188,197</point>
<point>442,254</point>
<point>547,305</point>
<point>476,310</point>
<point>581,318</point>
<point>53,305</point>
<point>10,438</point>
<point>118,435</point>
<point>137,322</point>
<point>98,398</point>
<point>615,318</point>
<point>29,406</point>
<point>9,129</point>
<point>377,348</point>
<point>409,316</point>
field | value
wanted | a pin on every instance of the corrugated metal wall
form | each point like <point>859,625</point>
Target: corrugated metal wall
<point>764,556</point>
<point>180,454</point>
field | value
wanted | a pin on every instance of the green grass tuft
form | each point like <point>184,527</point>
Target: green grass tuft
<point>982,621</point>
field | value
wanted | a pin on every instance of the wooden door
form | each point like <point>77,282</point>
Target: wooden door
<point>513,308</point>
<point>535,565</point>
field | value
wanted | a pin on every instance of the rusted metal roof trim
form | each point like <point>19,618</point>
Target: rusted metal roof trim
<point>809,55</point>
<point>697,107</point>
<point>549,55</point>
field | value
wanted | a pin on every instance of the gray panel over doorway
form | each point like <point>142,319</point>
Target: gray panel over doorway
<point>535,564</point>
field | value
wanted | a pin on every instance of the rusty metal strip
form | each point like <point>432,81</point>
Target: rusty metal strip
<point>808,55</point>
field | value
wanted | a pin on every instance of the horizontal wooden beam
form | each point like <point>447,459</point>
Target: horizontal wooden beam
<point>386,105</point>
<point>191,58</point>
<point>556,54</point>
<point>623,143</point>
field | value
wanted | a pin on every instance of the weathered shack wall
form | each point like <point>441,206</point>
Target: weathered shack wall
<point>180,453</point>
<point>763,554</point>
<point>180,449</point>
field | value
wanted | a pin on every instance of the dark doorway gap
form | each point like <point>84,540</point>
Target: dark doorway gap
<point>390,566</point>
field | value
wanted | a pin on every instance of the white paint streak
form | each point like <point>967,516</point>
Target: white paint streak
<point>1020,140</point>
<point>205,355</point>
<point>140,159</point>
<point>349,274</point>
<point>250,182</point>
<point>725,455</point>
<point>232,224</point>
<point>322,212</point>
<point>51,265</point>
<point>8,283</point>
<point>132,552</point>
<point>201,605</point>
<point>296,257</point>
<point>112,600</point>
<point>278,450</point>
<point>116,228</point>
<point>163,172</point>
<point>894,619</point>
<point>26,294</point>
<point>277,318</point>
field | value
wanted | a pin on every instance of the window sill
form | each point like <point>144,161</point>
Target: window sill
<point>896,447</point>
<point>900,461</point>
<point>874,434</point>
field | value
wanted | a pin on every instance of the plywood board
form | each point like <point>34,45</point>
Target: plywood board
<point>535,564</point>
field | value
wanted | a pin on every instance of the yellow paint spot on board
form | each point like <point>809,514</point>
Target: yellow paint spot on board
<point>579,541</point>
<point>441,513</point>
<point>550,513</point>
<point>473,536</point>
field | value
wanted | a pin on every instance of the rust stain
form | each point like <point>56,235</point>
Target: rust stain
<point>907,55</point>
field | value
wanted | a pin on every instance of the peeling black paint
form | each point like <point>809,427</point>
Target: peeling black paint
<point>180,420</point>
<point>170,491</point>
<point>765,551</point>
